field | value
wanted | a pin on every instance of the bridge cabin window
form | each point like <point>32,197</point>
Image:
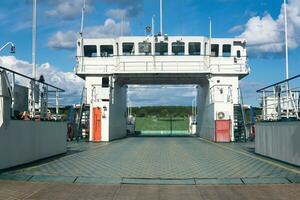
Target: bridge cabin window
<point>178,48</point>
<point>144,48</point>
<point>194,48</point>
<point>90,51</point>
<point>214,50</point>
<point>105,82</point>
<point>238,54</point>
<point>107,50</point>
<point>161,48</point>
<point>128,49</point>
<point>226,50</point>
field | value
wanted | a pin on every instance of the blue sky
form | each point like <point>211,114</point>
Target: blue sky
<point>259,21</point>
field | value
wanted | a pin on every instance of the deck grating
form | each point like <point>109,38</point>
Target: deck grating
<point>266,181</point>
<point>157,159</point>
<point>95,180</point>
<point>223,181</point>
<point>159,181</point>
<point>60,179</point>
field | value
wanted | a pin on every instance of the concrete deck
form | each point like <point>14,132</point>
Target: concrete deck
<point>49,191</point>
<point>157,160</point>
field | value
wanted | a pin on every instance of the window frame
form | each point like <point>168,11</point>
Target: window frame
<point>178,44</point>
<point>105,82</point>
<point>211,50</point>
<point>162,53</point>
<point>92,53</point>
<point>195,52</point>
<point>227,53</point>
<point>102,52</point>
<point>143,43</point>
<point>128,53</point>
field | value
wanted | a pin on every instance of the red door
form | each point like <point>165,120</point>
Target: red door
<point>223,128</point>
<point>97,124</point>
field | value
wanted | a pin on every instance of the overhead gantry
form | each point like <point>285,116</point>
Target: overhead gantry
<point>108,65</point>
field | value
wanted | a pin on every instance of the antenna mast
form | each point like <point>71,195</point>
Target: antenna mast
<point>82,17</point>
<point>161,17</point>
<point>286,42</point>
<point>34,40</point>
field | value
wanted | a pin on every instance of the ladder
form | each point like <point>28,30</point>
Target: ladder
<point>240,129</point>
<point>83,117</point>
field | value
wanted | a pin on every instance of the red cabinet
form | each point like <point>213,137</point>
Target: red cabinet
<point>97,116</point>
<point>222,130</point>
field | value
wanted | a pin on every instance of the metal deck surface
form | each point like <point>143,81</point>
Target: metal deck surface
<point>157,160</point>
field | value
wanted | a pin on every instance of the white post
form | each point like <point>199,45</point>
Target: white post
<point>209,43</point>
<point>153,24</point>
<point>161,17</point>
<point>34,41</point>
<point>34,24</point>
<point>56,102</point>
<point>286,59</point>
<point>82,17</point>
<point>286,41</point>
<point>153,42</point>
<point>13,96</point>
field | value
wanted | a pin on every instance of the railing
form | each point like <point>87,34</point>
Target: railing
<point>33,101</point>
<point>161,66</point>
<point>281,101</point>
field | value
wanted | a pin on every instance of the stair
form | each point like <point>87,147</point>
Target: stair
<point>240,134</point>
<point>82,130</point>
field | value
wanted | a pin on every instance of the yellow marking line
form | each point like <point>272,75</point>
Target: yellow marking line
<point>255,157</point>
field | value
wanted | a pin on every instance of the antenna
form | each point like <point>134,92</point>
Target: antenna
<point>82,17</point>
<point>34,40</point>
<point>153,24</point>
<point>286,41</point>
<point>210,28</point>
<point>122,25</point>
<point>161,17</point>
<point>32,96</point>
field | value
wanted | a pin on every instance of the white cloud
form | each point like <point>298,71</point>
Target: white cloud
<point>67,40</point>
<point>119,14</point>
<point>65,80</point>
<point>66,9</point>
<point>266,35</point>
<point>156,95</point>
<point>124,13</point>
<point>62,40</point>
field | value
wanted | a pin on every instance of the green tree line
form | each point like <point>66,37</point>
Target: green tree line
<point>162,111</point>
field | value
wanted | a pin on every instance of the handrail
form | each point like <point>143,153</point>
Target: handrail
<point>150,55</point>
<point>278,83</point>
<point>32,79</point>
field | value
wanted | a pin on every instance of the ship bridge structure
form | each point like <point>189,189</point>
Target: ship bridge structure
<point>215,65</point>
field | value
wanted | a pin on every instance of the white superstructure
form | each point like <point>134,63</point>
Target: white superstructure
<point>108,65</point>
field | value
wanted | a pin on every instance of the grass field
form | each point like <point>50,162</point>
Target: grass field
<point>161,124</point>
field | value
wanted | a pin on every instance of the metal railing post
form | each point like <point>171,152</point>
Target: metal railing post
<point>56,104</point>
<point>264,106</point>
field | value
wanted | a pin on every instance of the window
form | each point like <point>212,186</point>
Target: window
<point>161,48</point>
<point>205,48</point>
<point>226,50</point>
<point>90,50</point>
<point>194,48</point>
<point>128,49</point>
<point>145,48</point>
<point>214,50</point>
<point>178,48</point>
<point>107,50</point>
<point>105,82</point>
<point>238,53</point>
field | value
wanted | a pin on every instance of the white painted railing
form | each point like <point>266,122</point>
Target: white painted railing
<point>161,66</point>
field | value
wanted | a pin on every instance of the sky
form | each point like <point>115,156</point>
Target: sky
<point>260,22</point>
